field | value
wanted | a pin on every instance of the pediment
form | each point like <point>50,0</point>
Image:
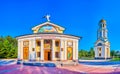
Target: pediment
<point>100,42</point>
<point>48,27</point>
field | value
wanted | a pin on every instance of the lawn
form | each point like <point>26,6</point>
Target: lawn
<point>87,58</point>
<point>116,59</point>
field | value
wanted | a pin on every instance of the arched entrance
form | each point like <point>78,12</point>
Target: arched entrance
<point>47,55</point>
<point>26,50</point>
<point>69,53</point>
<point>47,49</point>
<point>25,53</point>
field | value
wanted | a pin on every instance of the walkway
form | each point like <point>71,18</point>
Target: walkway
<point>20,69</point>
<point>93,69</point>
<point>9,67</point>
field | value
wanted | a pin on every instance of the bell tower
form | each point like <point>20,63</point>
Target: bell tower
<point>102,45</point>
<point>102,31</point>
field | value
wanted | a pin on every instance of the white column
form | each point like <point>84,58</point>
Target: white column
<point>42,50</point>
<point>34,46</point>
<point>102,33</point>
<point>19,49</point>
<point>61,52</point>
<point>53,49</point>
<point>77,50</point>
<point>34,43</point>
<point>96,51</point>
<point>103,51</point>
<point>21,43</point>
<point>65,50</point>
<point>74,50</point>
<point>30,48</point>
<point>109,50</point>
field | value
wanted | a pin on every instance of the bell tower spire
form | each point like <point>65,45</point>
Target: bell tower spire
<point>102,31</point>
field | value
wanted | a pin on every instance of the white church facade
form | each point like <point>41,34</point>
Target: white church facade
<point>48,43</point>
<point>102,45</point>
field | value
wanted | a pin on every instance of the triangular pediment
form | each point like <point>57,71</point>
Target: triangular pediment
<point>102,42</point>
<point>98,41</point>
<point>48,27</point>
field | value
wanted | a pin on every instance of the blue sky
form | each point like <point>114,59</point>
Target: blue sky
<point>79,17</point>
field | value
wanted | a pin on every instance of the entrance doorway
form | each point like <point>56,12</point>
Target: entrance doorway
<point>69,53</point>
<point>47,55</point>
<point>25,53</point>
<point>47,49</point>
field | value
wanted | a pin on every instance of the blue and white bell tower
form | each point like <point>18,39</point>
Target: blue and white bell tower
<point>102,45</point>
<point>102,31</point>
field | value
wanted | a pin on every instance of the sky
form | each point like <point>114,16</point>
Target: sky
<point>78,17</point>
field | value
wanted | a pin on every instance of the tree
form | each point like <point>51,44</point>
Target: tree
<point>8,47</point>
<point>83,53</point>
<point>91,52</point>
<point>112,53</point>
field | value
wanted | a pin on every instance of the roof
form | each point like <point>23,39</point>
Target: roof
<point>102,21</point>
<point>48,34</point>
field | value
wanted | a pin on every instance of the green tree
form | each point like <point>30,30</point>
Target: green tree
<point>8,47</point>
<point>91,53</point>
<point>113,53</point>
<point>83,53</point>
<point>86,54</point>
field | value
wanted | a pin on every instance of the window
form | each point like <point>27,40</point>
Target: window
<point>99,54</point>
<point>57,54</point>
<point>47,44</point>
<point>38,54</point>
<point>99,44</point>
<point>26,43</point>
<point>102,25</point>
<point>57,43</point>
<point>100,49</point>
<point>69,43</point>
<point>38,43</point>
<point>47,41</point>
<point>33,49</point>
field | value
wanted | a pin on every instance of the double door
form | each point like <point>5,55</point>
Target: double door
<point>26,53</point>
<point>47,55</point>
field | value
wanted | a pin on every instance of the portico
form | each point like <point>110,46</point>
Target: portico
<point>51,48</point>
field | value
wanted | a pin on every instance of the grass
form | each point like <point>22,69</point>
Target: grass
<point>115,59</point>
<point>87,58</point>
<point>92,58</point>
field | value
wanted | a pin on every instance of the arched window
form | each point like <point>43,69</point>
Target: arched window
<point>47,28</point>
<point>103,25</point>
<point>99,44</point>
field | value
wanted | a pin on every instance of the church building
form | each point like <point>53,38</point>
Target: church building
<point>48,43</point>
<point>102,45</point>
